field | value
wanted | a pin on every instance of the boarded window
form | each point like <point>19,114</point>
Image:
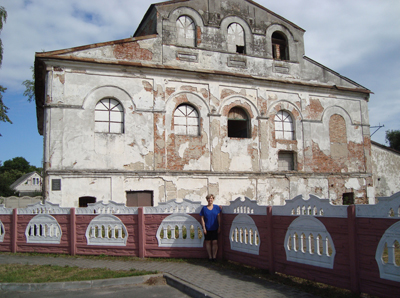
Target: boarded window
<point>238,123</point>
<point>280,49</point>
<point>338,136</point>
<point>186,31</point>
<point>109,116</point>
<point>139,198</point>
<point>284,128</point>
<point>84,201</point>
<point>286,161</point>
<point>236,42</point>
<point>186,120</point>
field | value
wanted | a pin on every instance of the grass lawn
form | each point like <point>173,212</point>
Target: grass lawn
<point>18,273</point>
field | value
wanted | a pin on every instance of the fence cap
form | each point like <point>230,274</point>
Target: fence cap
<point>314,206</point>
<point>46,207</point>
<point>106,208</point>
<point>174,206</point>
<point>387,207</point>
<point>244,205</point>
<point>4,210</point>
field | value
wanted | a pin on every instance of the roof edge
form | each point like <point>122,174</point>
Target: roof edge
<point>92,46</point>
<point>336,73</point>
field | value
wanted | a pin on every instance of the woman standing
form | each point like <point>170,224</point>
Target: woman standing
<point>211,220</point>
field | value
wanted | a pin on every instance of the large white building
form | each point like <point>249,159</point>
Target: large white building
<point>206,97</point>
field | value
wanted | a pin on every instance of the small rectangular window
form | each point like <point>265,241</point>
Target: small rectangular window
<point>286,161</point>
<point>239,49</point>
<point>348,198</point>
<point>84,201</point>
<point>139,198</point>
<point>55,184</point>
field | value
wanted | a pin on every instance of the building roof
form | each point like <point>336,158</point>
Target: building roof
<point>22,179</point>
<point>385,147</point>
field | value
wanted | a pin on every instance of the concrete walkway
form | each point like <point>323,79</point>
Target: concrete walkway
<point>196,280</point>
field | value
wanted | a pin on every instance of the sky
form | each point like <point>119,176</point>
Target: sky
<point>360,39</point>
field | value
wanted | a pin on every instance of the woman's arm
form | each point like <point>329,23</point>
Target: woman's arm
<point>204,225</point>
<point>219,222</point>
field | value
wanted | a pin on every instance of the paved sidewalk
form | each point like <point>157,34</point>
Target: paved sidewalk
<point>197,280</point>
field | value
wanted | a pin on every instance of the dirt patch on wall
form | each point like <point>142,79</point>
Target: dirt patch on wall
<point>132,51</point>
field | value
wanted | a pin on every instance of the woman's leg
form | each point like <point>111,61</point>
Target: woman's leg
<point>208,247</point>
<point>214,248</point>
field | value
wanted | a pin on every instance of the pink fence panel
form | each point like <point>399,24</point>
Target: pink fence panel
<point>373,221</point>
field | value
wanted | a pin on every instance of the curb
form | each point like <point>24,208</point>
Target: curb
<point>76,285</point>
<point>188,288</point>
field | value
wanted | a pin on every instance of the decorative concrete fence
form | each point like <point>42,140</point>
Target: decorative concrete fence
<point>355,247</point>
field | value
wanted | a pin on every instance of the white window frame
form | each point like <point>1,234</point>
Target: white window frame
<point>186,120</point>
<point>186,31</point>
<point>284,126</point>
<point>109,116</point>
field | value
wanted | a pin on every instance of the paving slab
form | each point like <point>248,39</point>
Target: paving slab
<point>197,280</point>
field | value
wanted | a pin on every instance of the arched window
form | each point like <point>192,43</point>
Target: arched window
<point>280,50</point>
<point>109,116</point>
<point>238,123</point>
<point>186,31</point>
<point>186,120</point>
<point>338,136</point>
<point>284,128</point>
<point>236,39</point>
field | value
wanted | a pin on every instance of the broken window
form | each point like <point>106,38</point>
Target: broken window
<point>186,120</point>
<point>279,46</point>
<point>284,128</point>
<point>139,198</point>
<point>286,161</point>
<point>109,116</point>
<point>186,31</point>
<point>236,39</point>
<point>84,201</point>
<point>348,198</point>
<point>238,123</point>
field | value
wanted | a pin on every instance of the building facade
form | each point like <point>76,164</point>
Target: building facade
<point>206,97</point>
<point>28,184</point>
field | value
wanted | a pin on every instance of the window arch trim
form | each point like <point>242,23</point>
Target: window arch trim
<point>186,25</point>
<point>238,123</point>
<point>186,120</point>
<point>109,116</point>
<point>284,126</point>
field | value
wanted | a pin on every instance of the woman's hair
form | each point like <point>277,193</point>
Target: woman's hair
<point>209,196</point>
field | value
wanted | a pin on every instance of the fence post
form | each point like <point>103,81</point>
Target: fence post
<point>14,235</point>
<point>352,228</point>
<point>72,243</point>
<point>270,243</point>
<point>141,233</point>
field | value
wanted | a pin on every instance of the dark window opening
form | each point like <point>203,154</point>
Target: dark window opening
<point>279,46</point>
<point>348,198</point>
<point>238,123</point>
<point>240,49</point>
<point>139,198</point>
<point>84,201</point>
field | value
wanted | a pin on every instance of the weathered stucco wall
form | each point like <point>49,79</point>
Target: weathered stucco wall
<point>149,155</point>
<point>328,153</point>
<point>386,170</point>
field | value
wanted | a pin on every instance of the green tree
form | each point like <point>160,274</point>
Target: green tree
<point>30,87</point>
<point>11,170</point>
<point>393,137</point>
<point>3,108</point>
